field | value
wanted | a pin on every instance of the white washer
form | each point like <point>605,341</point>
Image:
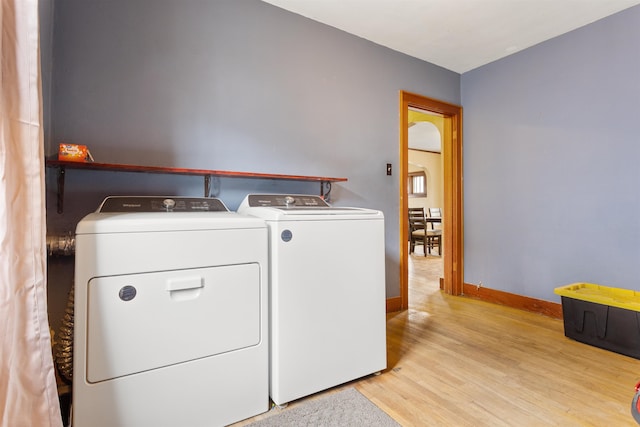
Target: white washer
<point>171,314</point>
<point>327,292</point>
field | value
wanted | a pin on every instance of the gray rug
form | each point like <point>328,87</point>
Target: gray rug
<point>346,408</point>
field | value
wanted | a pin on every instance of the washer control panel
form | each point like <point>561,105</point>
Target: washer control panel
<point>161,204</point>
<point>286,201</point>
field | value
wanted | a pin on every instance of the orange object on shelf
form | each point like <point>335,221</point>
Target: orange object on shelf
<point>74,153</point>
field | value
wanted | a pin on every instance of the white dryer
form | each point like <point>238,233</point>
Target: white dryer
<point>171,314</point>
<point>327,292</point>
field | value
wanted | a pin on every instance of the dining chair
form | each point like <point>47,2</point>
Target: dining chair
<point>420,234</point>
<point>435,213</point>
<point>415,217</point>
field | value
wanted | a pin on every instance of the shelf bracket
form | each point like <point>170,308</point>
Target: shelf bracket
<point>207,186</point>
<point>327,185</point>
<point>61,174</point>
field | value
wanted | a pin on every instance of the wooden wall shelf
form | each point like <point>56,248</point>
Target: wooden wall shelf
<point>207,174</point>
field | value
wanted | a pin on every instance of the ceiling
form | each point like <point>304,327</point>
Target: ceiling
<point>458,35</point>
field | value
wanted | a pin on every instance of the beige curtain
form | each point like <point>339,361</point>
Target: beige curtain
<point>28,395</point>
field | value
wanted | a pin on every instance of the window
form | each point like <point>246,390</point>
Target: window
<point>417,185</point>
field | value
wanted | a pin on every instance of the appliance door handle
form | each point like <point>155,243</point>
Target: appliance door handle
<point>185,283</point>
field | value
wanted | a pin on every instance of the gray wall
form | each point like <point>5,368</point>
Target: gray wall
<point>550,133</point>
<point>230,85</point>
<point>551,163</point>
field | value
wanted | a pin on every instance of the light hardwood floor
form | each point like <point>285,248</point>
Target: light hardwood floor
<point>454,361</point>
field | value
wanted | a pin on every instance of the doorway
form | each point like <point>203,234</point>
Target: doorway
<point>452,249</point>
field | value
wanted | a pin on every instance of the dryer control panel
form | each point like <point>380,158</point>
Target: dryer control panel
<point>286,201</point>
<point>161,204</point>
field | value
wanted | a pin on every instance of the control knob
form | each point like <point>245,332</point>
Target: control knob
<point>169,204</point>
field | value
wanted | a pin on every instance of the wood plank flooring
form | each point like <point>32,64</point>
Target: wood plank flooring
<point>454,361</point>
